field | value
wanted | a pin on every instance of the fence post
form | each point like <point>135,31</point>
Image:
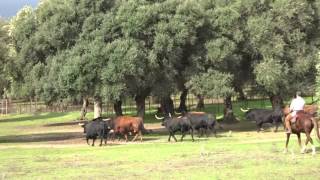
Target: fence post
<point>6,106</point>
<point>149,103</point>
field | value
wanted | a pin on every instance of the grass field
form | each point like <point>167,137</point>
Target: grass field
<point>52,146</point>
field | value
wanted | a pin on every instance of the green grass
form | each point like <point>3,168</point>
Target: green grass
<point>39,147</point>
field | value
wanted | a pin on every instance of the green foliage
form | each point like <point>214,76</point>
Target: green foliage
<point>74,49</point>
<point>318,78</point>
<point>211,84</point>
<point>5,58</point>
<point>271,74</point>
<point>283,38</point>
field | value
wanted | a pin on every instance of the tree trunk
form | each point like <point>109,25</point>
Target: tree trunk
<point>167,105</point>
<point>141,105</point>
<point>200,104</point>
<point>241,93</point>
<point>228,111</point>
<point>276,101</point>
<point>84,109</point>
<point>183,99</point>
<point>117,108</point>
<point>97,107</point>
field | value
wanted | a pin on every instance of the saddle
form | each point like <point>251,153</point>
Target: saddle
<point>296,117</point>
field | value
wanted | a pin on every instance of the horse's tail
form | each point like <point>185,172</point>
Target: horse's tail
<point>315,123</point>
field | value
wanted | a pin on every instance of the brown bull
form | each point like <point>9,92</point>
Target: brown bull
<point>126,125</point>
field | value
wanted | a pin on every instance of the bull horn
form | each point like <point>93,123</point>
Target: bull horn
<point>180,117</point>
<point>243,110</point>
<point>81,124</point>
<point>159,118</point>
<point>220,117</point>
<point>106,119</point>
<point>170,115</point>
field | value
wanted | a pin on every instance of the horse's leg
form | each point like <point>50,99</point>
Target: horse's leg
<point>313,147</point>
<point>299,140</point>
<point>287,142</point>
<point>311,141</point>
<point>303,150</point>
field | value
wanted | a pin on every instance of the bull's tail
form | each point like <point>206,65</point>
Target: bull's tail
<point>144,130</point>
<point>315,123</point>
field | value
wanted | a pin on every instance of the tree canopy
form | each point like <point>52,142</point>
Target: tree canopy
<point>109,50</point>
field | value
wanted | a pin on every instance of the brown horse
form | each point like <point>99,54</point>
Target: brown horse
<point>309,109</point>
<point>304,124</point>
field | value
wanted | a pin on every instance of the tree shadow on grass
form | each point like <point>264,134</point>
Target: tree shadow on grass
<point>46,137</point>
<point>33,117</point>
<point>65,123</point>
<point>247,126</point>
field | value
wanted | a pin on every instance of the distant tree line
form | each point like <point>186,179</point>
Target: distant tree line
<point>107,50</point>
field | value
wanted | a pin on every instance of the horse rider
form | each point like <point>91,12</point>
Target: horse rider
<point>297,104</point>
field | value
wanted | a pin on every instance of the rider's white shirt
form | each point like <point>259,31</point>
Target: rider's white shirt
<point>297,104</point>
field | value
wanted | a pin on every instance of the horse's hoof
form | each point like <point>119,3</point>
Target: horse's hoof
<point>285,151</point>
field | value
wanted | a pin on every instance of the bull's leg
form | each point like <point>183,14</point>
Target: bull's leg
<point>183,134</point>
<point>93,140</point>
<point>259,127</point>
<point>135,137</point>
<point>192,134</point>
<point>169,136</point>
<point>287,142</point>
<point>140,134</point>
<point>105,139</point>
<point>88,141</point>
<point>277,126</point>
<point>174,137</point>
<point>200,132</point>
<point>215,132</point>
<point>126,137</point>
<point>207,132</point>
<point>101,139</point>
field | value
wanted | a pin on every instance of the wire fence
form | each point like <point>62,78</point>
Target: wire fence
<point>128,105</point>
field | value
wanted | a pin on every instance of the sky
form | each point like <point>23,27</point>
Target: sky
<point>9,8</point>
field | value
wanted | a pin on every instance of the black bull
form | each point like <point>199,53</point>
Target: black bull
<point>262,116</point>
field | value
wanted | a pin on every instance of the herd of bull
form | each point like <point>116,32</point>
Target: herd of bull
<point>123,126</point>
